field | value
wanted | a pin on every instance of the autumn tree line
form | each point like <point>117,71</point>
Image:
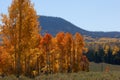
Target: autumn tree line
<point>23,51</point>
<point>107,52</point>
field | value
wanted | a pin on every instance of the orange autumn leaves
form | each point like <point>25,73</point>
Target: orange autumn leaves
<point>62,53</point>
<point>24,50</point>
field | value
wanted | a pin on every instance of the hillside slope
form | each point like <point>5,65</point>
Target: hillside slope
<point>54,25</point>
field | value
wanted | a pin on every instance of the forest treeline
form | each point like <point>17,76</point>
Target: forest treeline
<point>23,51</point>
<point>104,51</point>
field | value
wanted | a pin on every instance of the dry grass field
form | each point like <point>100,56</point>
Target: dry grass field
<point>100,67</point>
<point>97,72</point>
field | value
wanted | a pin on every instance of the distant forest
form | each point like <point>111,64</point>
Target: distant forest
<point>104,51</point>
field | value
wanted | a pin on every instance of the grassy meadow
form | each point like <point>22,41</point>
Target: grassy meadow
<point>100,67</point>
<point>97,72</point>
<point>72,76</point>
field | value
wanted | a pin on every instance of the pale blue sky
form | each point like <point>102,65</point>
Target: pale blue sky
<point>92,15</point>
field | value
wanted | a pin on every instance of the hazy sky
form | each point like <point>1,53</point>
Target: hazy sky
<point>92,15</point>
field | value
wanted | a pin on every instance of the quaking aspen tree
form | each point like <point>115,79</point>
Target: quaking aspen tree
<point>30,53</point>
<point>20,28</point>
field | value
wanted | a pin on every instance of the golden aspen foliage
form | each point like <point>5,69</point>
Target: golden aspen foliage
<point>84,63</point>
<point>20,29</point>
<point>106,48</point>
<point>115,50</point>
<point>68,40</point>
<point>6,62</point>
<point>24,51</point>
<point>60,49</point>
<point>46,44</point>
<point>79,47</point>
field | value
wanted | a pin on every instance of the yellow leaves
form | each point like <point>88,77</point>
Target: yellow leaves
<point>68,40</point>
<point>21,41</point>
<point>5,60</point>
<point>107,47</point>
<point>46,39</point>
<point>55,53</point>
<point>79,41</point>
<point>115,50</point>
<point>5,57</point>
<point>19,33</point>
<point>85,50</point>
<point>4,19</point>
<point>60,37</point>
<point>56,66</point>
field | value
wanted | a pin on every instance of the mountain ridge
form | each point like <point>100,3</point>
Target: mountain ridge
<point>53,25</point>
